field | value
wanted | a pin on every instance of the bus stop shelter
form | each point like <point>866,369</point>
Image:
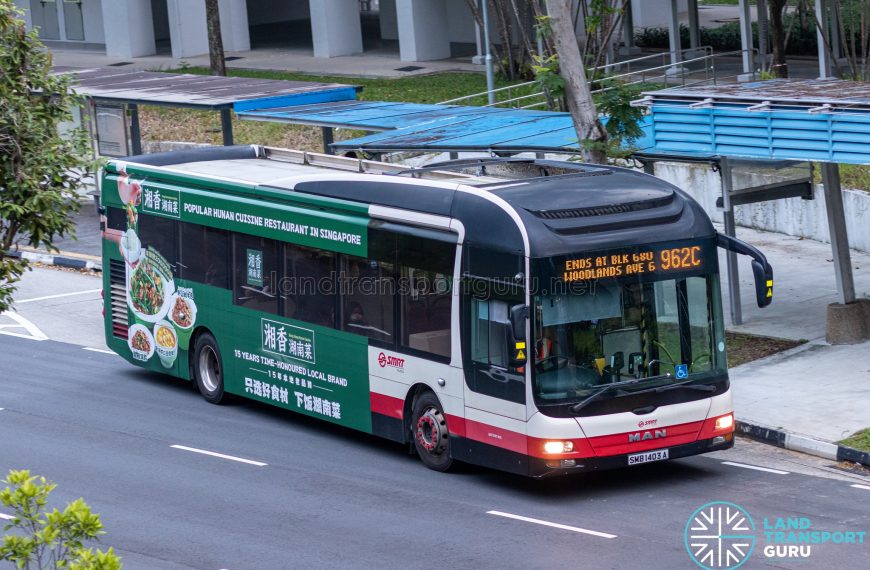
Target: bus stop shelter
<point>825,121</point>
<point>113,93</point>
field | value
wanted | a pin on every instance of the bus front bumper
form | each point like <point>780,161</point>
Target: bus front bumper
<point>553,467</point>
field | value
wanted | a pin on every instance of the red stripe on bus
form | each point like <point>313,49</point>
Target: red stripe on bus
<point>618,443</point>
<point>386,405</point>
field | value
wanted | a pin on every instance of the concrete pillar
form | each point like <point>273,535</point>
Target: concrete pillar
<point>746,41</point>
<point>628,47</point>
<point>335,26</point>
<point>129,28</point>
<point>188,32</point>
<point>423,30</point>
<point>694,27</point>
<point>825,70</point>
<point>387,17</point>
<point>674,36</point>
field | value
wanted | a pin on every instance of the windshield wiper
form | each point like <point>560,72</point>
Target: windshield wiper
<point>597,395</point>
<point>686,384</point>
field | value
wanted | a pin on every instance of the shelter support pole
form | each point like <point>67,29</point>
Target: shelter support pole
<point>763,33</point>
<point>227,126</point>
<point>730,230</point>
<point>822,34</point>
<point>837,229</point>
<point>327,139</point>
<point>135,130</point>
<point>746,42</point>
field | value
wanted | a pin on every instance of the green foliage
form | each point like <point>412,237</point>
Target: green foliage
<point>727,38</point>
<point>50,539</point>
<point>39,168</point>
<point>614,102</point>
<point>548,77</point>
<point>858,440</point>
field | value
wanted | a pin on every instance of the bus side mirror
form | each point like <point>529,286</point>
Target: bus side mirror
<point>763,283</point>
<point>516,336</point>
<point>519,314</point>
<point>761,269</point>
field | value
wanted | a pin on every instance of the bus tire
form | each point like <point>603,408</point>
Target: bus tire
<point>208,369</point>
<point>430,434</point>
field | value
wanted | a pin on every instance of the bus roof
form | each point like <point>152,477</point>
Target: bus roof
<point>539,208</point>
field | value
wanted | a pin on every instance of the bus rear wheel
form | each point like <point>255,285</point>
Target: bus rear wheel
<point>208,369</point>
<point>430,433</point>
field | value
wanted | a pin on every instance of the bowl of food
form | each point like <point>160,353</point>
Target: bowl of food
<point>141,342</point>
<point>148,292</point>
<point>182,314</point>
<point>131,247</point>
<point>167,343</point>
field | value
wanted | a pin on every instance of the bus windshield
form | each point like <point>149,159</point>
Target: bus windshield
<point>627,331</point>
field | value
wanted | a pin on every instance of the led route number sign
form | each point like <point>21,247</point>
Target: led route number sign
<point>634,263</point>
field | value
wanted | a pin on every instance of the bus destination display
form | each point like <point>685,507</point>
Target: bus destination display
<point>621,264</point>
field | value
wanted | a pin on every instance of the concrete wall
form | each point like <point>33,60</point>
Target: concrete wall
<point>791,216</point>
<point>460,22</point>
<point>128,28</point>
<point>24,5</point>
<point>267,11</point>
<point>92,15</point>
<point>188,32</point>
<point>424,34</point>
<point>335,27</point>
<point>656,13</point>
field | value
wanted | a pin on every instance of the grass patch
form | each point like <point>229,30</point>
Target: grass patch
<point>186,125</point>
<point>859,440</point>
<point>743,348</point>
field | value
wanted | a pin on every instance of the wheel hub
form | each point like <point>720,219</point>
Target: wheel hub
<point>432,432</point>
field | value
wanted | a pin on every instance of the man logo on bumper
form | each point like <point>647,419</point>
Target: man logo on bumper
<point>647,435</point>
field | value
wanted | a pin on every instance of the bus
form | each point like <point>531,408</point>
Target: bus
<point>534,316</point>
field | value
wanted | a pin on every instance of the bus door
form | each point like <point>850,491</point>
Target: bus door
<point>495,389</point>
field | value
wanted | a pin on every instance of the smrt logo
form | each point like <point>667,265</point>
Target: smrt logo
<point>393,361</point>
<point>646,423</point>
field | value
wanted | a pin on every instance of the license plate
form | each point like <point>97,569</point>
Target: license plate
<point>657,455</point>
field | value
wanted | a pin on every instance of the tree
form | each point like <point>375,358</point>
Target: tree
<point>50,539</point>
<point>592,136</point>
<point>776,10</point>
<point>215,41</point>
<point>40,169</point>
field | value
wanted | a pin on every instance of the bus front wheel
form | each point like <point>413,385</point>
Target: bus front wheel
<point>429,430</point>
<point>208,369</point>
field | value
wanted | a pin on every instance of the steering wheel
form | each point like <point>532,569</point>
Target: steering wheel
<point>551,363</point>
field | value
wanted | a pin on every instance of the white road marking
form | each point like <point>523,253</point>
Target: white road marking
<point>755,467</point>
<point>33,331</point>
<point>103,350</point>
<point>221,455</point>
<point>552,524</point>
<point>6,517</point>
<point>58,296</point>
<point>857,486</point>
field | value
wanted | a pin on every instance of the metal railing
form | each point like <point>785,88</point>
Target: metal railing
<point>696,70</point>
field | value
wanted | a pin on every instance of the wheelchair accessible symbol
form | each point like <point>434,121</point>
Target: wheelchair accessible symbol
<point>682,371</point>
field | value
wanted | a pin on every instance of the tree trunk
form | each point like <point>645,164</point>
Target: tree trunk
<point>591,134</point>
<point>215,41</point>
<point>778,36</point>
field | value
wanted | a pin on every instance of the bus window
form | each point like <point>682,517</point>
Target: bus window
<point>116,218</point>
<point>161,234</point>
<point>204,255</point>
<point>308,287</point>
<point>489,325</point>
<point>368,294</point>
<point>425,310</point>
<point>255,273</point>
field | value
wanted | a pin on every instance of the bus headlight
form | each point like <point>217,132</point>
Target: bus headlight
<point>725,422</point>
<point>558,446</point>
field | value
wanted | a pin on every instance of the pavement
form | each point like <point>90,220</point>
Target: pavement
<point>182,484</point>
